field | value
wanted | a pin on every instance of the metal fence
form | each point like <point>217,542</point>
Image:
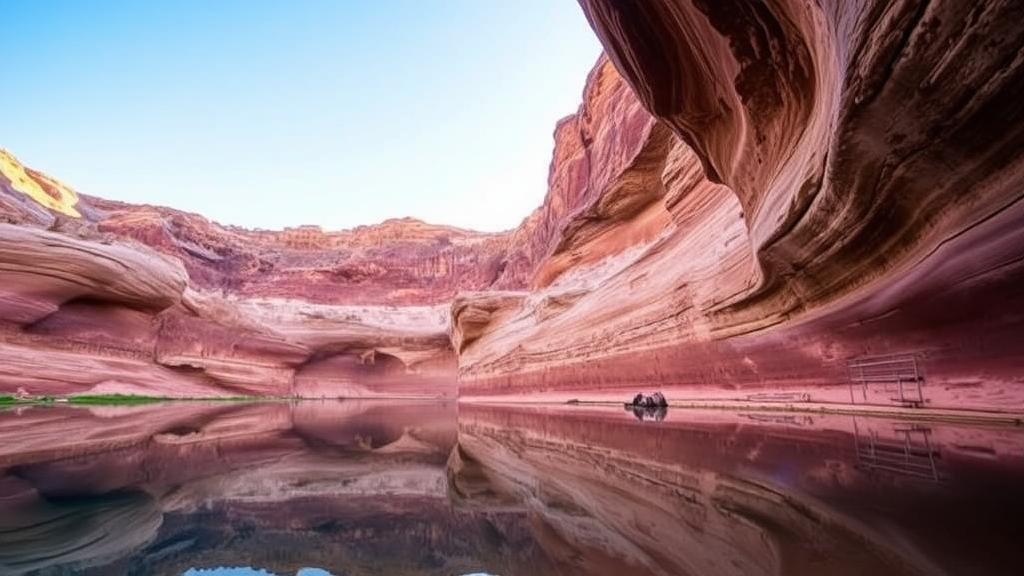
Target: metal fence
<point>900,376</point>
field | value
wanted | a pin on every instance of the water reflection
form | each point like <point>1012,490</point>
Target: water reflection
<point>436,488</point>
<point>642,413</point>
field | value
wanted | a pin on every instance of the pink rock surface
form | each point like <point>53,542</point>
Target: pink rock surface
<point>845,182</point>
<point>82,314</point>
<point>749,196</point>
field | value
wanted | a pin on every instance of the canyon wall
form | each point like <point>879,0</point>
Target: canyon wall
<point>783,201</point>
<point>107,297</point>
<point>96,317</point>
<point>839,190</point>
<point>168,302</point>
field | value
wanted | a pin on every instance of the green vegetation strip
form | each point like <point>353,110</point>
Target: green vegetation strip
<point>115,399</point>
<point>123,399</point>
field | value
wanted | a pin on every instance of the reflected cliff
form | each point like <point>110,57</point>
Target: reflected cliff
<point>354,487</point>
<point>438,488</point>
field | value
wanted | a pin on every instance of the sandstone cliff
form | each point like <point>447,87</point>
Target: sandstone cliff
<point>842,181</point>
<point>753,201</point>
<point>103,297</point>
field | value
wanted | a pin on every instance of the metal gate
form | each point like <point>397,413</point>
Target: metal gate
<point>900,376</point>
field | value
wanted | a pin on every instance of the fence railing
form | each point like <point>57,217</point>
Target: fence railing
<point>899,375</point>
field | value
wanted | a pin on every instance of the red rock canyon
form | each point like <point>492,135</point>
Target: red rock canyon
<point>755,201</point>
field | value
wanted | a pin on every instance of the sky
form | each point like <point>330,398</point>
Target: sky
<point>269,114</point>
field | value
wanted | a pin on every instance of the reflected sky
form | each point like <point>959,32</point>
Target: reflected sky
<point>249,571</point>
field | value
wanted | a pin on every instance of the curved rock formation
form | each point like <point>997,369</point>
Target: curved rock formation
<point>851,134</point>
<point>81,315</point>
<point>754,200</point>
<point>844,182</point>
<point>42,270</point>
<point>115,298</point>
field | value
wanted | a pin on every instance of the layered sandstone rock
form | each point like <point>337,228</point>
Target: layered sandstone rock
<point>398,262</point>
<point>842,181</point>
<point>114,298</point>
<point>103,297</point>
<point>750,197</point>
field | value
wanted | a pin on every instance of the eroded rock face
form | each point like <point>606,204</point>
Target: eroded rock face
<point>750,196</point>
<point>398,262</point>
<point>843,180</point>
<point>101,296</point>
<point>114,298</point>
<point>848,132</point>
<point>42,270</point>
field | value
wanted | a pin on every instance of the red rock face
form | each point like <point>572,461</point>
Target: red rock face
<point>128,301</point>
<point>115,297</point>
<point>398,262</point>
<point>844,181</point>
<point>750,197</point>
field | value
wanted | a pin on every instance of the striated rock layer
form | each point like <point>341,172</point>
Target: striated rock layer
<point>823,183</point>
<point>753,202</point>
<point>105,297</point>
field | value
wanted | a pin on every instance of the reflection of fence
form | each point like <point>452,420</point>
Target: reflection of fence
<point>899,375</point>
<point>907,452</point>
<point>779,397</point>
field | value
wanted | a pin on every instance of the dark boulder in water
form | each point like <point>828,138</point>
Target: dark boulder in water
<point>656,400</point>
<point>649,407</point>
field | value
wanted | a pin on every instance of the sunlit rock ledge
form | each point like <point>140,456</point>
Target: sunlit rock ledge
<point>745,207</point>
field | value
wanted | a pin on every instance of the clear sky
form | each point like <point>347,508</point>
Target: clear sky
<point>272,114</point>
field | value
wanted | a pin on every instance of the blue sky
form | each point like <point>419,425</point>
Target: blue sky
<point>273,114</point>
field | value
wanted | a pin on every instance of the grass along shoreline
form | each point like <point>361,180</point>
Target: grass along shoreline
<point>7,400</point>
<point>122,399</point>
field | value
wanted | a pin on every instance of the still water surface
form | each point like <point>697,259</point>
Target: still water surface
<point>357,487</point>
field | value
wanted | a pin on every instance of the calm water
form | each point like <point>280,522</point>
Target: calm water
<point>318,488</point>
